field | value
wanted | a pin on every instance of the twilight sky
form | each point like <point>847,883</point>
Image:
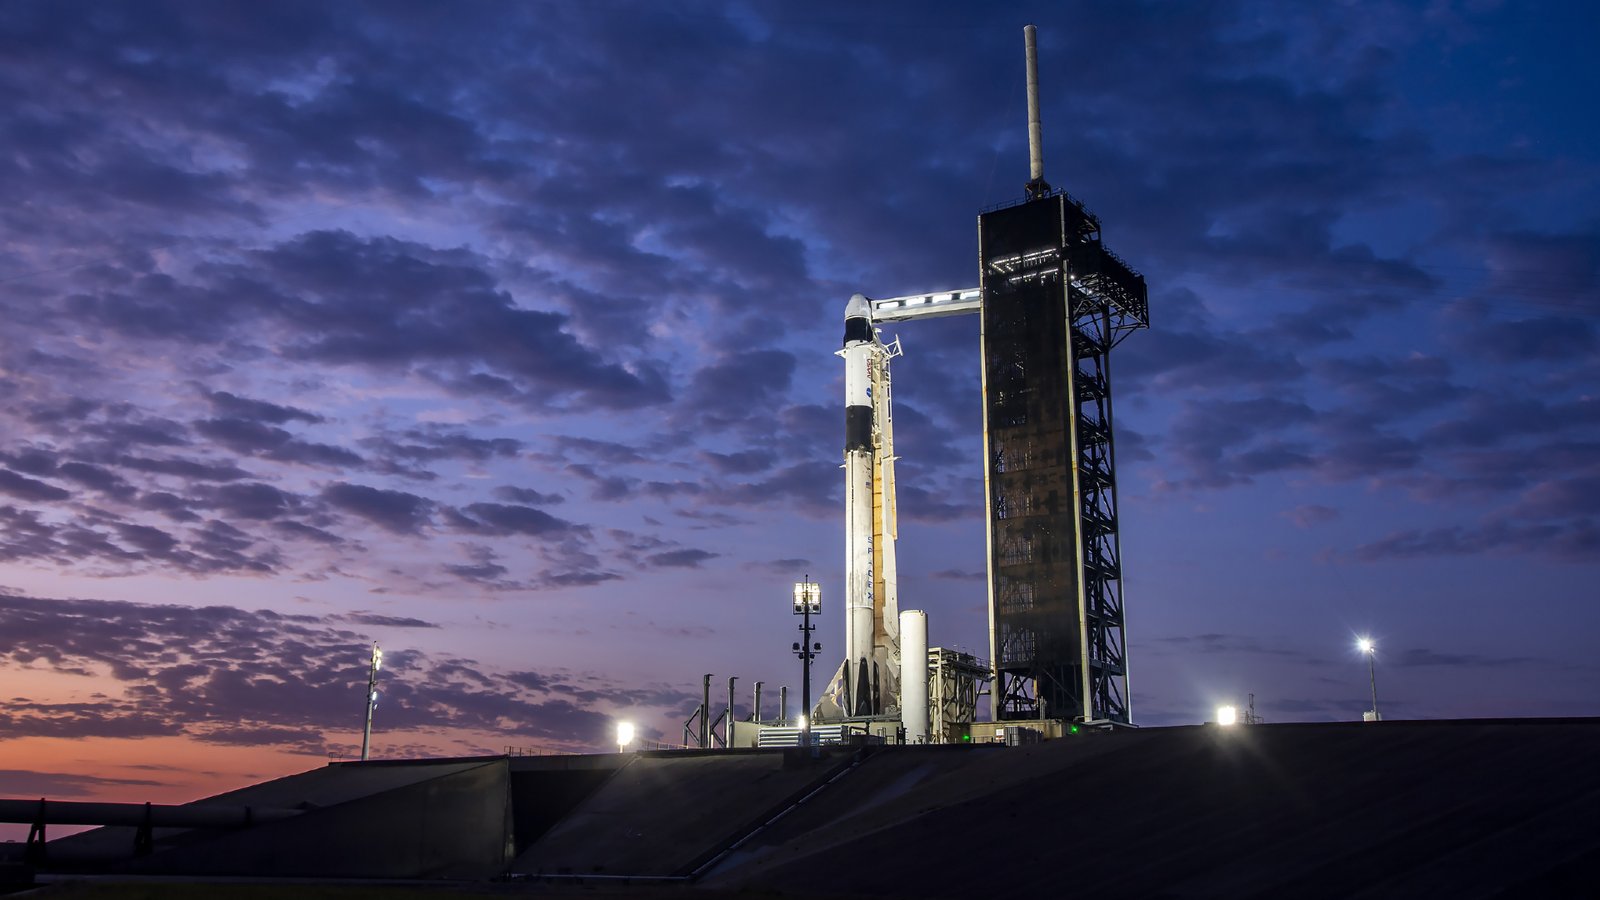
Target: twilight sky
<point>503,334</point>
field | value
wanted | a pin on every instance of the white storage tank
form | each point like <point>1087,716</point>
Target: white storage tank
<point>914,675</point>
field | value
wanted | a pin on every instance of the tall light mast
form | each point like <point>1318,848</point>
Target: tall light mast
<point>372,699</point>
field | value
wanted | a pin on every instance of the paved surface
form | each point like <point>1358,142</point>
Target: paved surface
<point>1398,809</point>
<point>665,815</point>
<point>319,788</point>
<point>1486,808</point>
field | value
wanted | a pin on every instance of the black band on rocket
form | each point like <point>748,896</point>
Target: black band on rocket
<point>857,428</point>
<point>857,329</point>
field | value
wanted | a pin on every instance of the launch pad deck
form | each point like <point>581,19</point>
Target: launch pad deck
<point>1472,808</point>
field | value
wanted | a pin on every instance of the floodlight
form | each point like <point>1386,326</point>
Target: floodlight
<point>800,721</point>
<point>624,735</point>
<point>1365,645</point>
<point>1227,715</point>
<point>807,597</point>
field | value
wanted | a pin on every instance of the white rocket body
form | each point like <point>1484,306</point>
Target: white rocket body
<point>858,465</point>
<point>867,682</point>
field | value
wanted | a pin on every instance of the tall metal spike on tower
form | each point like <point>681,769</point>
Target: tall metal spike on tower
<point>1037,186</point>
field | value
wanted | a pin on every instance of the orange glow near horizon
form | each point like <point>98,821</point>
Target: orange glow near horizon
<point>179,769</point>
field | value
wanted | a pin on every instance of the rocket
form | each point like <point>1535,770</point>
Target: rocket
<point>858,465</point>
<point>867,681</point>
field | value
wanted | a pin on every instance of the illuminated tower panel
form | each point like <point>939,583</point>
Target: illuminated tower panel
<point>1055,302</point>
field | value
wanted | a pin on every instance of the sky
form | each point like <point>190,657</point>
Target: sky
<point>503,334</point>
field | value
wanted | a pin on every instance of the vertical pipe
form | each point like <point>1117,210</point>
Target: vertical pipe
<point>914,675</point>
<point>705,713</point>
<point>1035,132</point>
<point>755,711</point>
<point>727,728</point>
<point>783,705</point>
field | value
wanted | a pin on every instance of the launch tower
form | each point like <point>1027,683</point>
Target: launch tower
<point>1053,302</point>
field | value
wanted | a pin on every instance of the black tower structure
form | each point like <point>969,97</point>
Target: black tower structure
<point>1055,301</point>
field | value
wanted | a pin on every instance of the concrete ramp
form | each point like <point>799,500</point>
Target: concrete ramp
<point>319,789</point>
<point>1464,809</point>
<point>664,816</point>
<point>1400,809</point>
<point>411,819</point>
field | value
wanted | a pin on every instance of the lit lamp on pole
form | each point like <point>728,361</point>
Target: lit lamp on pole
<point>373,666</point>
<point>807,603</point>
<point>1370,649</point>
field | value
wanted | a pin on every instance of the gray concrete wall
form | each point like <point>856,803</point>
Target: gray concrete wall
<point>454,825</point>
<point>663,815</point>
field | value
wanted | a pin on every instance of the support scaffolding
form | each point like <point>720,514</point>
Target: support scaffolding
<point>1055,301</point>
<point>955,682</point>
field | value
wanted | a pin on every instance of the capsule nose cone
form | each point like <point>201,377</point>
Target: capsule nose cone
<point>858,320</point>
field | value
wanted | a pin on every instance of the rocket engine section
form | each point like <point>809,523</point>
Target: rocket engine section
<point>867,683</point>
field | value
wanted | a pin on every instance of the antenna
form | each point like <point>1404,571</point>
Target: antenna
<point>1037,186</point>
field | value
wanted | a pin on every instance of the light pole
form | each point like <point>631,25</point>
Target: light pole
<point>807,603</point>
<point>372,698</point>
<point>1365,645</point>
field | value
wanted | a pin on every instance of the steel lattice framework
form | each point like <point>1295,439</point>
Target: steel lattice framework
<point>1055,302</point>
<point>955,681</point>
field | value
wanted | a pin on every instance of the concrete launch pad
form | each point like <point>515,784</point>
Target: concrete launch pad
<point>666,816</point>
<point>1456,808</point>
